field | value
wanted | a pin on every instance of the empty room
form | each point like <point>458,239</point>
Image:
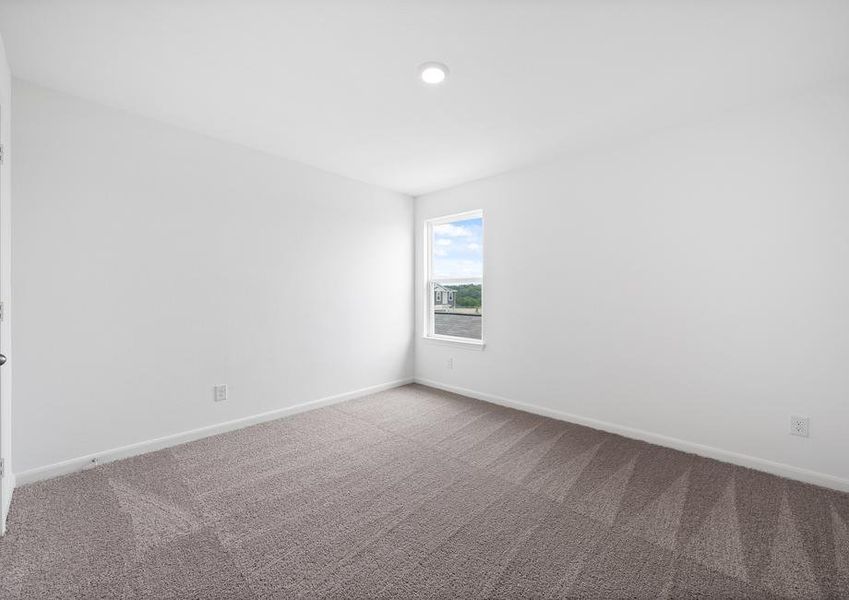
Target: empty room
<point>444,299</point>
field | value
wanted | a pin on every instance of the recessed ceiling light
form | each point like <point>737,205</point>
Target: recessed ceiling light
<point>433,72</point>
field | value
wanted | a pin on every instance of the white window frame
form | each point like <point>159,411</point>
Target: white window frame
<point>429,333</point>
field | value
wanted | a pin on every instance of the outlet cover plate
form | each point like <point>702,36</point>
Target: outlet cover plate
<point>799,425</point>
<point>219,392</point>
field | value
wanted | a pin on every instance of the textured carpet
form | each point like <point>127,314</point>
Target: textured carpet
<point>415,493</point>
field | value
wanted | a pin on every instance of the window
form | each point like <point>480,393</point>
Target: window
<point>454,271</point>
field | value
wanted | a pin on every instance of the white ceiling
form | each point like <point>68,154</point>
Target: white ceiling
<point>333,83</point>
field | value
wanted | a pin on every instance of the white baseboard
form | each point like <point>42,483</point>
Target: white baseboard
<point>82,462</point>
<point>743,460</point>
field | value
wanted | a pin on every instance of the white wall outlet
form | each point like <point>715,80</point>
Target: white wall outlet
<point>219,392</point>
<point>799,425</point>
<point>449,364</point>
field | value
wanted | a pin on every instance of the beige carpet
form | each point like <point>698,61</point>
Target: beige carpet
<point>415,493</point>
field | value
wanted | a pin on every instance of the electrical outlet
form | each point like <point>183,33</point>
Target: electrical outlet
<point>799,425</point>
<point>219,392</point>
<point>449,364</point>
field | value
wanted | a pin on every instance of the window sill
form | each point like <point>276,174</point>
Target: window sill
<point>454,341</point>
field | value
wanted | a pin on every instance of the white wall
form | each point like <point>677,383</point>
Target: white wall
<point>7,482</point>
<point>692,284</point>
<point>152,263</point>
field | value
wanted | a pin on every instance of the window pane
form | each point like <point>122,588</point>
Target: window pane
<point>457,249</point>
<point>457,314</point>
<point>456,276</point>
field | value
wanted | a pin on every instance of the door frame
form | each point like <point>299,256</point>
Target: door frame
<point>7,481</point>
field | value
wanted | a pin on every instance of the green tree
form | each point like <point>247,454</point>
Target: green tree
<point>467,295</point>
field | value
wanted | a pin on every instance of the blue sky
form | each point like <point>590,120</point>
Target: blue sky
<point>458,249</point>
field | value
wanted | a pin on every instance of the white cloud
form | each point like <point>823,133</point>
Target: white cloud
<point>443,242</point>
<point>451,230</point>
<point>474,247</point>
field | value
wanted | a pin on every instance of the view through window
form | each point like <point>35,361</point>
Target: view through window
<point>455,277</point>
